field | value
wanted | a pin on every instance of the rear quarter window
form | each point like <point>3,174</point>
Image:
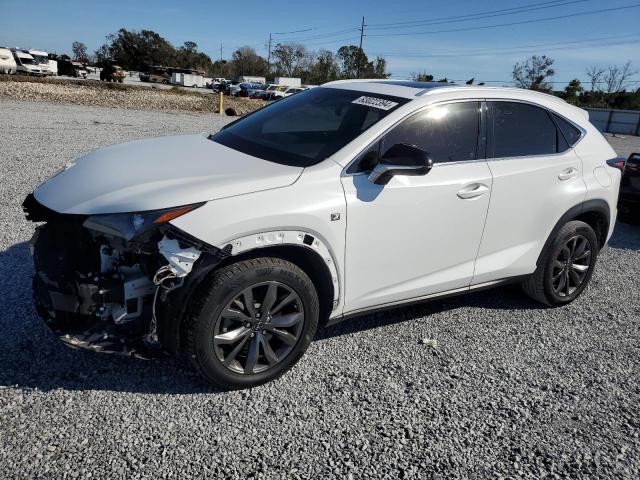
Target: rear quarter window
<point>569,131</point>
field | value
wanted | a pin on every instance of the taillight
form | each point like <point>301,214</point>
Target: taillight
<point>617,162</point>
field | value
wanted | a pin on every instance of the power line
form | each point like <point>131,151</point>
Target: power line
<point>516,48</point>
<point>522,22</point>
<point>319,36</point>
<point>293,31</point>
<point>478,16</point>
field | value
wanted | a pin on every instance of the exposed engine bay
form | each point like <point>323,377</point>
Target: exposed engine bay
<point>107,288</point>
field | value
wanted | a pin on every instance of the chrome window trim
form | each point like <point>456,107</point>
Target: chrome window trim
<point>415,112</point>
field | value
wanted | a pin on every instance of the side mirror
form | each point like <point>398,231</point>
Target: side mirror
<point>401,159</point>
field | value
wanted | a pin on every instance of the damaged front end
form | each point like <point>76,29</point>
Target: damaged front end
<point>116,283</point>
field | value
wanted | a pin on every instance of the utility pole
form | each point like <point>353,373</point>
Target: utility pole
<point>220,53</point>
<point>269,58</point>
<point>360,50</point>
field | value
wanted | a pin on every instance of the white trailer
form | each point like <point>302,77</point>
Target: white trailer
<point>289,81</point>
<point>7,62</point>
<point>42,59</point>
<point>188,80</point>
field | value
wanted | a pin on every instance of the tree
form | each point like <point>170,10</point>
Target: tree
<point>533,73</point>
<point>351,59</point>
<point>323,68</point>
<point>572,90</point>
<point>289,59</point>
<point>595,76</point>
<point>245,61</point>
<point>615,78</point>
<point>422,77</point>
<point>190,47</point>
<point>79,51</point>
<point>138,50</point>
<point>355,64</point>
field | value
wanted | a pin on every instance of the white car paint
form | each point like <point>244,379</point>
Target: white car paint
<point>463,225</point>
<point>151,174</point>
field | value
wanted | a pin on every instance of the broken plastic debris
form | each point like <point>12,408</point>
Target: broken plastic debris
<point>429,342</point>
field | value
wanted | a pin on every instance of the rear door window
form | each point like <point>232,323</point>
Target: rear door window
<point>520,129</point>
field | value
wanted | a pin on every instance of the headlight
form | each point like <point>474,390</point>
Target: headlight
<point>131,225</point>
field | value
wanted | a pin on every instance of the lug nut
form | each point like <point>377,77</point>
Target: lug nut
<point>264,332</point>
<point>248,325</point>
<point>258,315</point>
<point>252,334</point>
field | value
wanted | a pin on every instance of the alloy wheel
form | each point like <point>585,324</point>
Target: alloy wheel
<point>571,265</point>
<point>258,328</point>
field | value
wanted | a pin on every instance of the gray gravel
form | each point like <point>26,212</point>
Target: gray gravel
<point>506,389</point>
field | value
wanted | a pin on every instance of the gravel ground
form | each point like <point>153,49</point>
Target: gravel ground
<point>96,93</point>
<point>510,389</point>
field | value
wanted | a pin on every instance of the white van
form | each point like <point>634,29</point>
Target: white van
<point>26,64</point>
<point>7,63</point>
<point>42,59</point>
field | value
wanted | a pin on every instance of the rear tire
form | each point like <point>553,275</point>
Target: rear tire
<point>565,267</point>
<point>251,322</point>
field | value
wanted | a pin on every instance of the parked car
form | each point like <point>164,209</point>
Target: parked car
<point>7,62</point>
<point>232,88</point>
<point>256,91</point>
<point>230,249</point>
<point>245,89</point>
<point>629,201</point>
<point>25,64</point>
<point>272,91</point>
<point>71,69</point>
<point>112,73</point>
<point>292,91</point>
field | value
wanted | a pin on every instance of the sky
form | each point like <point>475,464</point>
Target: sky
<point>457,39</point>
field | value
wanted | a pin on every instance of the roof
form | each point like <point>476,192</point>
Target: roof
<point>424,90</point>
<point>20,54</point>
<point>397,88</point>
<point>413,90</point>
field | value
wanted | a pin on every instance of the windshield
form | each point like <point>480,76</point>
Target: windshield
<point>27,61</point>
<point>304,129</point>
<point>39,59</point>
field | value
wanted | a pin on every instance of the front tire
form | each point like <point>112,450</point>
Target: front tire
<point>251,322</point>
<point>565,267</point>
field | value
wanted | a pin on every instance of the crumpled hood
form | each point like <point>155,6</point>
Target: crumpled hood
<point>159,173</point>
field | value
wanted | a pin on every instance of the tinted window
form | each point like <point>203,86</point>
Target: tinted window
<point>448,133</point>
<point>570,133</point>
<point>519,129</point>
<point>306,128</point>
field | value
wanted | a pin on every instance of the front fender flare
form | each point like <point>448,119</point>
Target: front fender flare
<point>298,238</point>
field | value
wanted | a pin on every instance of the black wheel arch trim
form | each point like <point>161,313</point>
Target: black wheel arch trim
<point>597,205</point>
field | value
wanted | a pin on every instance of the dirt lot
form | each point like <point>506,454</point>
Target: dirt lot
<point>511,390</point>
<point>96,93</point>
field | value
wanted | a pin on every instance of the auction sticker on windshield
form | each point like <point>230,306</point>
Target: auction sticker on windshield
<point>374,102</point>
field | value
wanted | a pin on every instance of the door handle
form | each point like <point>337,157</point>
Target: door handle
<point>473,190</point>
<point>568,173</point>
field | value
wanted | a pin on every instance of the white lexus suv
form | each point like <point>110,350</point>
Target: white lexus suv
<point>230,249</point>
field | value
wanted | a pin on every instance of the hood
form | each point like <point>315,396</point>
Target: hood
<point>159,173</point>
